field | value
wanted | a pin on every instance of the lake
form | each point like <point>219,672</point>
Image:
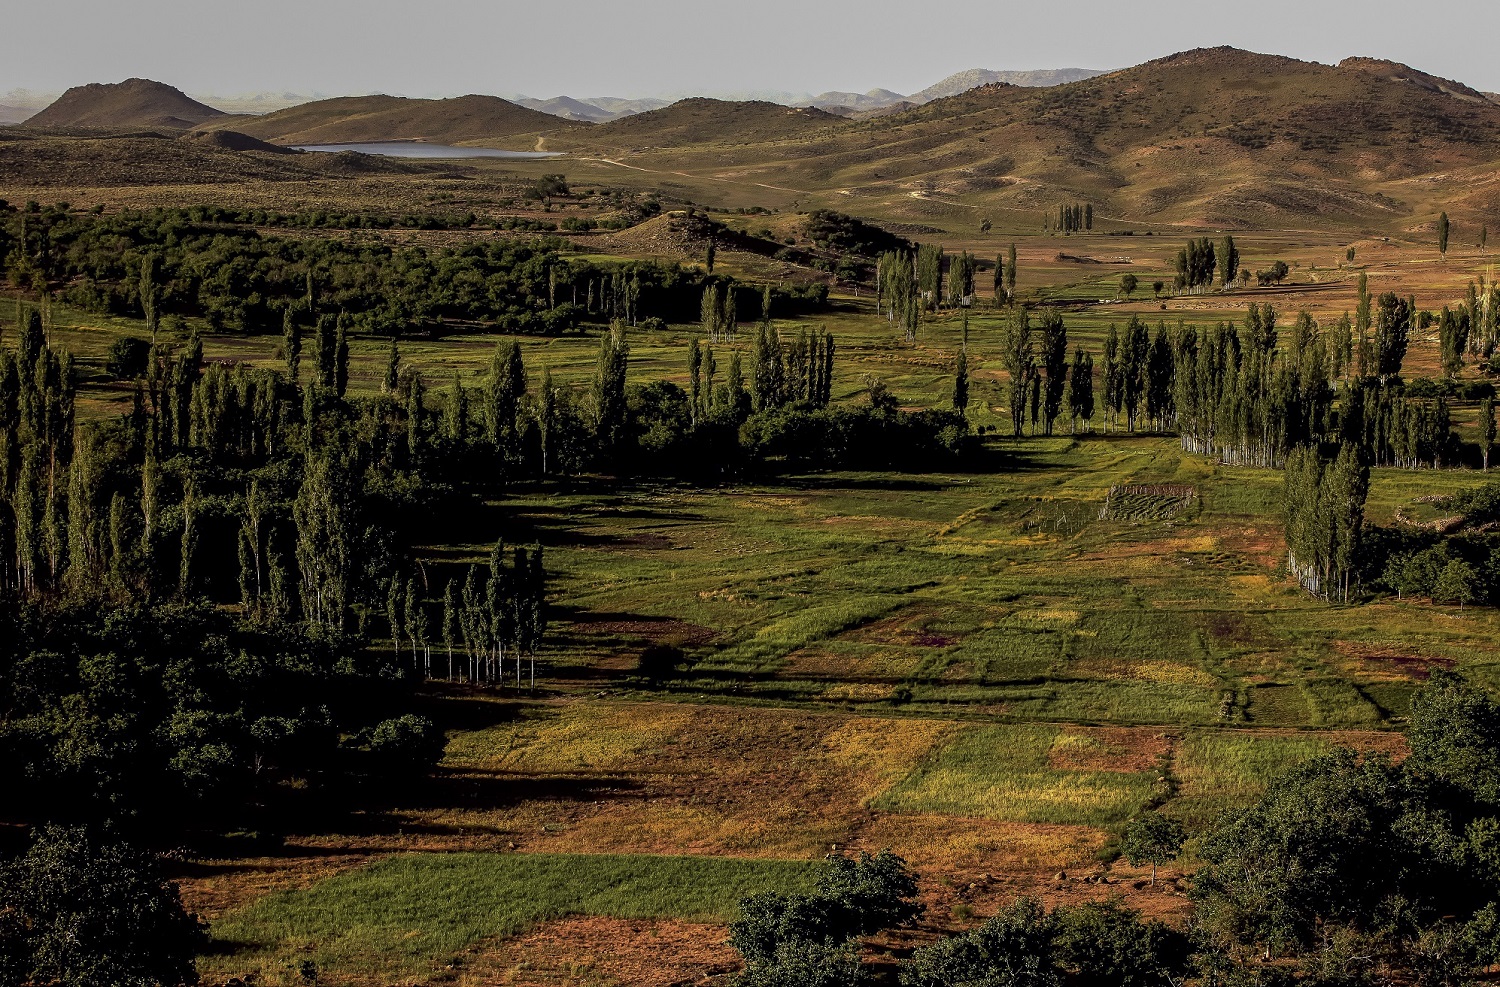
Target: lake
<point>421,149</point>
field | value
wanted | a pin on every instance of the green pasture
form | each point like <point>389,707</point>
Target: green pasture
<point>1003,773</point>
<point>404,918</point>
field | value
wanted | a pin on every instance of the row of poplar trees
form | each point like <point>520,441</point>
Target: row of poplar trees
<point>908,283</point>
<point>243,485</point>
<point>1237,394</point>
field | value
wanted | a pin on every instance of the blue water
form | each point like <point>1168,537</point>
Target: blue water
<point>421,149</point>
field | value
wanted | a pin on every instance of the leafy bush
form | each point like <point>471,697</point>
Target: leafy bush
<point>408,744</point>
<point>127,358</point>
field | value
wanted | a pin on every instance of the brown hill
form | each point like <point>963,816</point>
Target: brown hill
<point>710,121</point>
<point>38,159</point>
<point>353,119</point>
<point>1217,137</point>
<point>233,140</point>
<point>134,104</point>
<point>1396,72</point>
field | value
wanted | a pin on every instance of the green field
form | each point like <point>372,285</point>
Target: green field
<point>403,919</point>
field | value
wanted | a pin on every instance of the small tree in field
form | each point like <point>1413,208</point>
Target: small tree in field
<point>1152,838</point>
<point>1443,234</point>
<point>1128,284</point>
<point>1486,429</point>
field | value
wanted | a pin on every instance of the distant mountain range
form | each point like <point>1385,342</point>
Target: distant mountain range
<point>21,105</point>
<point>599,109</point>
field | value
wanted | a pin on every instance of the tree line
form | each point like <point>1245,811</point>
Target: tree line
<point>167,264</point>
<point>1248,394</point>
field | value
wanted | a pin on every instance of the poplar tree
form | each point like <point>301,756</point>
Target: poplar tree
<point>1486,429</point>
<point>1018,361</point>
<point>1134,352</point>
<point>1054,358</point>
<point>456,413</point>
<point>734,385</point>
<point>710,312</point>
<point>1111,374</point>
<point>392,367</point>
<point>608,391</point>
<point>503,395</point>
<point>1010,274</point>
<point>1081,388</point>
<point>450,623</point>
<point>150,293</point>
<point>341,359</point>
<point>1393,324</point>
<point>291,341</point>
<point>547,420</point>
<point>1442,231</point>
<point>1228,258</point>
<point>1362,324</point>
<point>695,379</point>
<point>961,373</point>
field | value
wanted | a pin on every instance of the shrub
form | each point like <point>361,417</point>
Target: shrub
<point>407,744</point>
<point>128,357</point>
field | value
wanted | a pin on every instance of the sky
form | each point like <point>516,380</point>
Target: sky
<point>638,48</point>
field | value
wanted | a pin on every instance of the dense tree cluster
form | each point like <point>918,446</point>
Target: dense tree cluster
<point>844,234</point>
<point>1458,565</point>
<point>92,912</point>
<point>180,718</point>
<point>1247,394</point>
<point>1325,512</point>
<point>1195,265</point>
<point>241,280</point>
<point>1075,218</point>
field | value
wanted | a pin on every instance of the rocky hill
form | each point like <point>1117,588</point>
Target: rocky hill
<point>135,104</point>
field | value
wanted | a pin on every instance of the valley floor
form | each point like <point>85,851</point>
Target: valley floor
<point>979,671</point>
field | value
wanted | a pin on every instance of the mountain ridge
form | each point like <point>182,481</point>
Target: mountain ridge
<point>355,119</point>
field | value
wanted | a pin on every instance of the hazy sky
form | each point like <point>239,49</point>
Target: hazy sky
<point>652,47</point>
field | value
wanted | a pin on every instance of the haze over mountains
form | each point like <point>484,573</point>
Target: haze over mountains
<point>19,105</point>
<point>600,109</point>
<point>1219,137</point>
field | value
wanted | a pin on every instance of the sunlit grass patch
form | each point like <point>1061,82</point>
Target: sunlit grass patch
<point>1004,773</point>
<point>579,737</point>
<point>1221,771</point>
<point>403,919</point>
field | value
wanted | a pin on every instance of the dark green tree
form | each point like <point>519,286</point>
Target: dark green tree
<point>92,913</point>
<point>1054,359</point>
<point>1152,838</point>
